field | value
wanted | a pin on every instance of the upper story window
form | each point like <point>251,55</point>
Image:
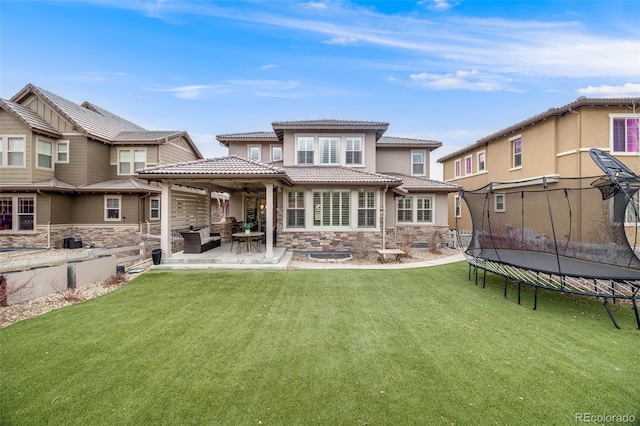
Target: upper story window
<point>276,153</point>
<point>254,152</point>
<point>305,150</point>
<point>516,152</point>
<point>457,168</point>
<point>625,134</point>
<point>418,163</point>
<point>482,161</point>
<point>329,150</point>
<point>367,209</point>
<point>45,154</point>
<point>468,165</point>
<point>353,150</point>
<point>12,151</point>
<point>130,160</point>
<point>62,152</point>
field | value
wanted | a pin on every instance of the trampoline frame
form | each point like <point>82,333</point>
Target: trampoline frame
<point>560,273</point>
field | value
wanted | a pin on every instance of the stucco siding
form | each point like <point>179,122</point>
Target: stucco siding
<point>395,159</point>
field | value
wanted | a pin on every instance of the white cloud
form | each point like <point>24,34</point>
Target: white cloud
<point>262,88</point>
<point>316,5</point>
<point>626,90</point>
<point>468,80</point>
<point>268,67</point>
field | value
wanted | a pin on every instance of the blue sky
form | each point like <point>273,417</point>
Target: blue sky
<point>451,71</point>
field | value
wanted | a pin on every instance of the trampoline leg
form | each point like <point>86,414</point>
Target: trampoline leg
<point>635,311</point>
<point>484,278</point>
<point>535,298</point>
<point>469,272</point>
<point>518,292</point>
<point>606,305</point>
<point>505,287</point>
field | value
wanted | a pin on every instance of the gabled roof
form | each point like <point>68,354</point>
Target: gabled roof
<point>631,103</point>
<point>247,137</point>
<point>422,183</point>
<point>227,167</point>
<point>313,125</point>
<point>391,141</point>
<point>30,119</point>
<point>338,175</point>
<point>98,123</point>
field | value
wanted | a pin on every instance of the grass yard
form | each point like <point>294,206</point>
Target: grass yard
<point>347,347</point>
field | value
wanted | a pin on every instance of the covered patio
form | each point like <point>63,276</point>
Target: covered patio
<point>238,176</point>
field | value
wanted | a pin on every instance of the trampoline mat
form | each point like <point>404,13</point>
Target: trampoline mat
<point>560,265</point>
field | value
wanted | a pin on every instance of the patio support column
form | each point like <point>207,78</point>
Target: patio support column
<point>269,228</point>
<point>165,219</point>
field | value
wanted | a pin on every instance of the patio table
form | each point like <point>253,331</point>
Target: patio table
<point>247,237</point>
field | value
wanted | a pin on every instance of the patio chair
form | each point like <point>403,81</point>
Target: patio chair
<point>235,227</point>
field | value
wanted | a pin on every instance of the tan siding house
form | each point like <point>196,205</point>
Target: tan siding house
<point>68,170</point>
<point>553,144</point>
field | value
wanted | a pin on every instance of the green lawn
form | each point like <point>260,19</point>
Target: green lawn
<point>412,346</point>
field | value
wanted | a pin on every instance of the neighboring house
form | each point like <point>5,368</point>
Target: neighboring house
<point>551,145</point>
<point>324,185</point>
<point>67,171</point>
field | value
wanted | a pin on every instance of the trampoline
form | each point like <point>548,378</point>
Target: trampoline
<point>573,235</point>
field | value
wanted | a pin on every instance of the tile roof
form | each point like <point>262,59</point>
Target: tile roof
<point>337,175</point>
<point>231,166</point>
<point>148,136</point>
<point>247,137</point>
<point>329,123</point>
<point>582,101</point>
<point>30,118</point>
<point>422,183</point>
<point>404,142</point>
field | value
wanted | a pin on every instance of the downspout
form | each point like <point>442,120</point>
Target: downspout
<point>384,217</point>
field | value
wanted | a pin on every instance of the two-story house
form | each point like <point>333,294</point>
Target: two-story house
<point>551,145</point>
<point>320,185</point>
<point>67,171</point>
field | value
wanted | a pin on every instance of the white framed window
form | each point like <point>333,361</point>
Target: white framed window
<point>457,168</point>
<point>482,161</point>
<point>45,155</point>
<point>295,209</point>
<point>353,151</point>
<point>468,165</point>
<point>331,208</point>
<point>154,208</point>
<point>254,152</point>
<point>329,150</point>
<point>17,213</point>
<point>276,153</point>
<point>418,163</point>
<point>112,207</point>
<point>498,203</point>
<point>405,209</point>
<point>366,208</point>
<point>625,133</point>
<point>305,150</point>
<point>424,209</point>
<point>516,152</point>
<point>130,160</point>
<point>457,206</point>
<point>62,152</point>
<point>12,150</point>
